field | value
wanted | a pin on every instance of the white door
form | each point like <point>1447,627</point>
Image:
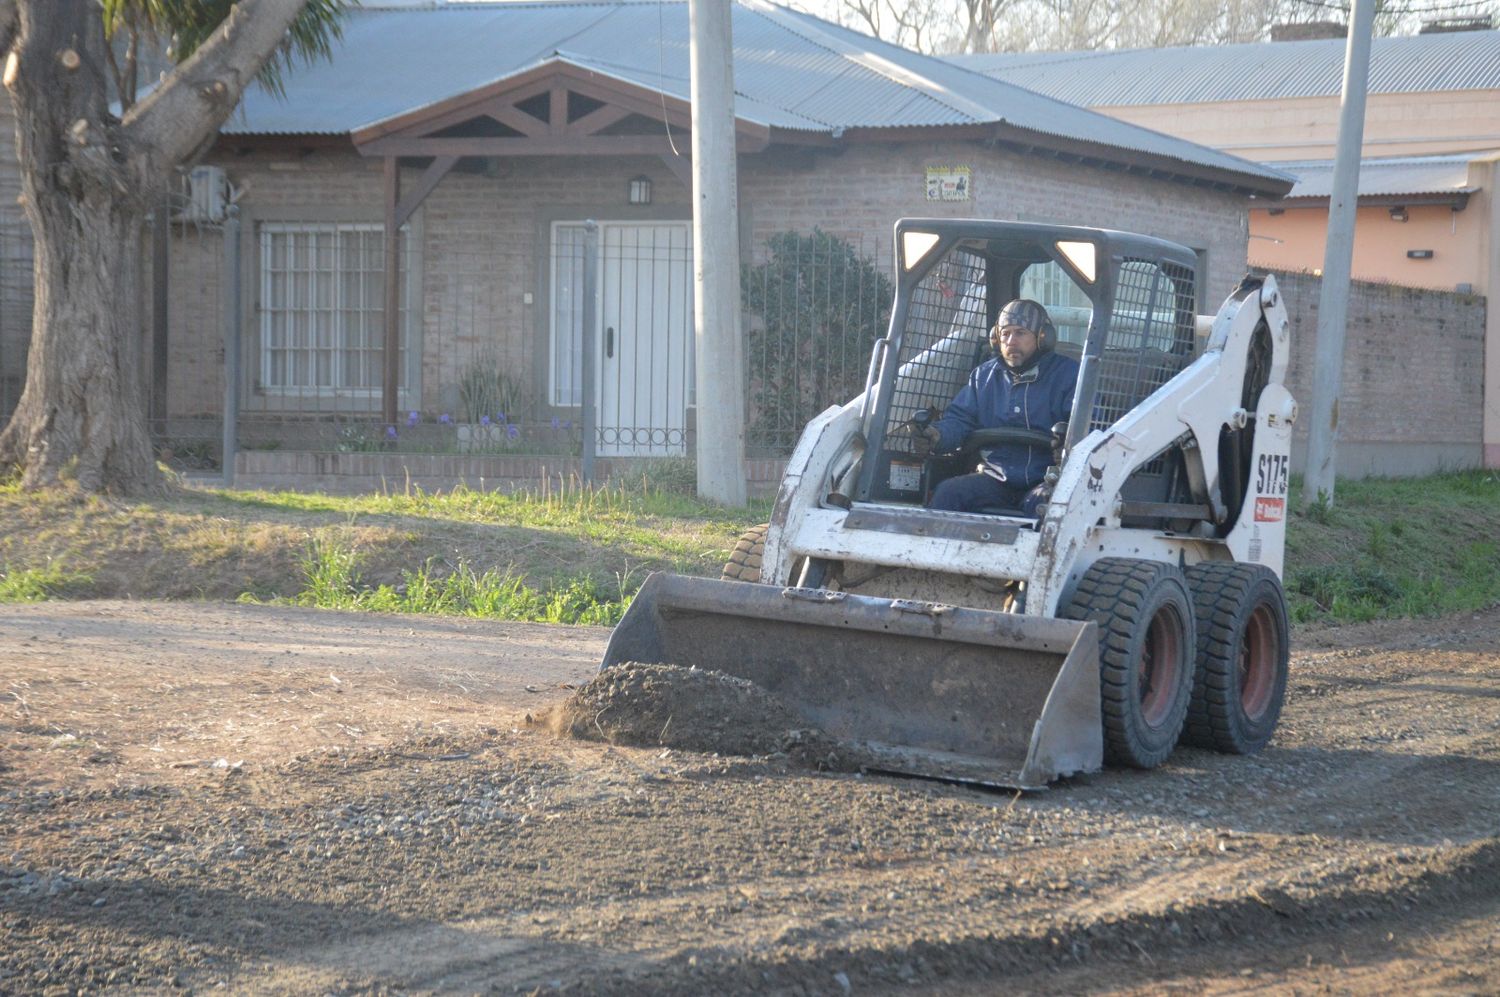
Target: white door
<point>644,335</point>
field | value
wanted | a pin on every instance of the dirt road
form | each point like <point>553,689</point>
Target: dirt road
<point>267,800</point>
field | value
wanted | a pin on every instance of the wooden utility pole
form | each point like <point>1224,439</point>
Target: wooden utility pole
<point>1338,256</point>
<point>716,258</point>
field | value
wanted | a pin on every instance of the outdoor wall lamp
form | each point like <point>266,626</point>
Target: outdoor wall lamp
<point>640,190</point>
<point>1398,214</point>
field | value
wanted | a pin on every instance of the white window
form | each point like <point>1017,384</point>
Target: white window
<point>322,304</point>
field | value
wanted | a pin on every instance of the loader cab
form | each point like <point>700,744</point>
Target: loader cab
<point>1123,305</point>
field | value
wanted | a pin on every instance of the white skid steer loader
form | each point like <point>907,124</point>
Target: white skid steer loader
<point>1142,606</point>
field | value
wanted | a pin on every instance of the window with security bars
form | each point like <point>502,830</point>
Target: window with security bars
<point>322,307</point>
<point>945,336</point>
<point>1151,337</point>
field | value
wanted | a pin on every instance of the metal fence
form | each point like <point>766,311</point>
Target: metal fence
<point>15,310</point>
<point>270,335</point>
<point>815,303</point>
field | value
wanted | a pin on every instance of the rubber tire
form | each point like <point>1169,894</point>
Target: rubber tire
<point>744,561</point>
<point>1241,613</point>
<point>1134,601</point>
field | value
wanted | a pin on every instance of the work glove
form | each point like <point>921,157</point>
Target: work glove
<point>924,438</point>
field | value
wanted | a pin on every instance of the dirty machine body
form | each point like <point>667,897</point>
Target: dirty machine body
<point>1141,606</point>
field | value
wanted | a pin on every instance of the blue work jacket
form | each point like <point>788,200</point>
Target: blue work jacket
<point>995,396</point>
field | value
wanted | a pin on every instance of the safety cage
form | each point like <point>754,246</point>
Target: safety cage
<point>1124,305</point>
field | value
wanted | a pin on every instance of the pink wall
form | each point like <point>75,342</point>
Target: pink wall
<point>1294,240</point>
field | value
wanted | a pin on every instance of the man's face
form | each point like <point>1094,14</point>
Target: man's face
<point>1015,344</point>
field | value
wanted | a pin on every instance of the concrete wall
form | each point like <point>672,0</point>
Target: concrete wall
<point>1412,396</point>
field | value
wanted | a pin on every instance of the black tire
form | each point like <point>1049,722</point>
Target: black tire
<point>1243,657</point>
<point>1146,642</point>
<point>744,561</point>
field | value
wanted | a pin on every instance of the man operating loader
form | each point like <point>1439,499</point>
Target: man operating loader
<point>1024,385</point>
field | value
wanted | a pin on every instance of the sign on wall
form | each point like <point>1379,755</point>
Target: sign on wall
<point>948,183</point>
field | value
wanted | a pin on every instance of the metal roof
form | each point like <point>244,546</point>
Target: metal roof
<point>1394,177</point>
<point>1466,60</point>
<point>792,71</point>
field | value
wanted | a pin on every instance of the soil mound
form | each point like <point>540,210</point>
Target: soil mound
<point>694,709</point>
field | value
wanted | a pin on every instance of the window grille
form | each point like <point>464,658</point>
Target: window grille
<point>945,337</point>
<point>322,306</point>
<point>1151,337</point>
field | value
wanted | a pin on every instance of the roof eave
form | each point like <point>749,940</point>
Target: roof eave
<point>1096,154</point>
<point>1455,199</point>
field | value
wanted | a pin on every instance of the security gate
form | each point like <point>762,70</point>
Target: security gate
<point>643,337</point>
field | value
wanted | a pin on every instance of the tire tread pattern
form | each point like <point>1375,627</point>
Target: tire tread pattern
<point>1113,593</point>
<point>745,560</point>
<point>1221,590</point>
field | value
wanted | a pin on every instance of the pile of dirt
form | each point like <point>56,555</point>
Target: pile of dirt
<point>694,709</point>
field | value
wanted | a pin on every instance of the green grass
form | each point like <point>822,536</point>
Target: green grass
<point>1391,548</point>
<point>36,584</point>
<point>333,580</point>
<point>571,554</point>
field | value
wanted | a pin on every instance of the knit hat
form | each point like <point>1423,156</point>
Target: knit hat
<point>1027,314</point>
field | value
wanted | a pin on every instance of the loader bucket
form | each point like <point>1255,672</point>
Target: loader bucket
<point>946,692</point>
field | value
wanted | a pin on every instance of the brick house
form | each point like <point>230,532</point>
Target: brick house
<point>490,133</point>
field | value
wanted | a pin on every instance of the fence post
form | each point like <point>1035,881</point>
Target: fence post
<point>232,358</point>
<point>590,319</point>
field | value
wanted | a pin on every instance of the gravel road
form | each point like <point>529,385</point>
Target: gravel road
<point>197,797</point>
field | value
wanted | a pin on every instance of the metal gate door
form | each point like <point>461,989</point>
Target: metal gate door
<point>645,338</point>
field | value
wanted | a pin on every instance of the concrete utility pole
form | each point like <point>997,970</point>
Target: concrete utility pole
<point>716,258</point>
<point>1338,256</point>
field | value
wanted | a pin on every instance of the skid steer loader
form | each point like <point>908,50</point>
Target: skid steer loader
<point>1143,605</point>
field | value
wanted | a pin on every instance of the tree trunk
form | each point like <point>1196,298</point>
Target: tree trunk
<point>87,182</point>
<point>81,416</point>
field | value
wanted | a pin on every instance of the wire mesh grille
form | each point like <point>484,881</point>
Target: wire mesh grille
<point>945,336</point>
<point>1151,336</point>
<point>815,304</point>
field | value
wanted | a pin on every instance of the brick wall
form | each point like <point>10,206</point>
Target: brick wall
<point>863,191</point>
<point>1412,392</point>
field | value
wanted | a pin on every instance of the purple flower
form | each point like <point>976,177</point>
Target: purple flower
<point>513,432</point>
<point>500,417</point>
<point>555,423</point>
<point>445,418</point>
<point>412,418</point>
<point>390,432</point>
<point>484,420</point>
<point>567,423</point>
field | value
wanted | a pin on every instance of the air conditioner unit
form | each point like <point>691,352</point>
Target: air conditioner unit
<point>207,195</point>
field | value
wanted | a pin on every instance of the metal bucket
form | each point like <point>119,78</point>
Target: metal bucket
<point>940,691</point>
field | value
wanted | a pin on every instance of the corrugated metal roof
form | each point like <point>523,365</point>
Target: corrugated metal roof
<point>792,71</point>
<point>1407,175</point>
<point>1468,60</point>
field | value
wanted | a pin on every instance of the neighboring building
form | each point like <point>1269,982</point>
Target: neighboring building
<point>509,125</point>
<point>1428,214</point>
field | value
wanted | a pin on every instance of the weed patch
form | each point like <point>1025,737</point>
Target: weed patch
<point>36,584</point>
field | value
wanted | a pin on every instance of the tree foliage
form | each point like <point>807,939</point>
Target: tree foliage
<point>179,27</point>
